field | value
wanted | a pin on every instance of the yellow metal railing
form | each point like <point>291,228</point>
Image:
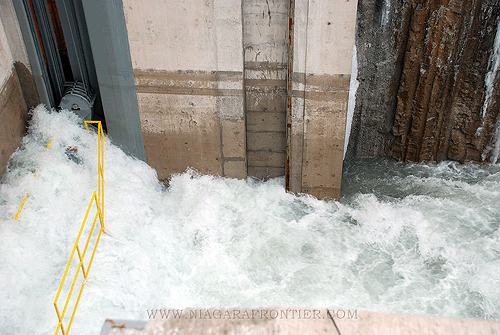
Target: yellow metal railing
<point>100,166</point>
<point>98,199</point>
<point>21,207</point>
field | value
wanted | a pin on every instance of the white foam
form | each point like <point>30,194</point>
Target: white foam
<point>220,242</point>
<point>494,64</point>
<point>495,154</point>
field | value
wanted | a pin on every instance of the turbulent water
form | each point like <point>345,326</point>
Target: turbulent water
<point>408,238</point>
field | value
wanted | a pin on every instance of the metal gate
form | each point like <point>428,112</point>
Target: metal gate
<point>61,50</point>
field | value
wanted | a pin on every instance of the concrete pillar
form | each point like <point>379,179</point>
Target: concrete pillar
<point>107,33</point>
<point>323,38</point>
<point>265,26</point>
<point>188,65</point>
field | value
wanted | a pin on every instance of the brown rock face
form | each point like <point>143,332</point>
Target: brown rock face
<point>426,101</point>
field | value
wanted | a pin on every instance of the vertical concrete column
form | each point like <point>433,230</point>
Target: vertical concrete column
<point>265,45</point>
<point>323,37</point>
<point>230,100</point>
<point>107,32</point>
<point>188,67</point>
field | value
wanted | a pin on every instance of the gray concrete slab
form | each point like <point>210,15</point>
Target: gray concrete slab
<point>289,320</point>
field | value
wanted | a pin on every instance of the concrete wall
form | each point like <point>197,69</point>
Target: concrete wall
<point>17,89</point>
<point>188,65</point>
<point>211,78</point>
<point>265,43</point>
<point>224,87</point>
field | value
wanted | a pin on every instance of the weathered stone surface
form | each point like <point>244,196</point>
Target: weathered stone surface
<point>382,29</point>
<point>422,67</point>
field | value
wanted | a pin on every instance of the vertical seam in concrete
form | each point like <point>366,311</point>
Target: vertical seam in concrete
<point>334,323</point>
<point>217,99</point>
<point>244,85</point>
<point>289,87</point>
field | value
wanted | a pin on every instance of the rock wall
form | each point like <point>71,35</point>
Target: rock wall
<point>427,80</point>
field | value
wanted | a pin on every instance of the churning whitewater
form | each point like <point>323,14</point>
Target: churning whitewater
<point>406,238</point>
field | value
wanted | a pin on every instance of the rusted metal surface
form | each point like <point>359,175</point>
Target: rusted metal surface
<point>291,10</point>
<point>35,20</point>
<point>61,41</point>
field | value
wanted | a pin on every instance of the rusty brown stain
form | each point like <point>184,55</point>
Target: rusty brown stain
<point>266,83</point>
<point>187,82</point>
<point>268,12</point>
<point>60,40</point>
<point>331,81</point>
<point>188,91</point>
<point>196,75</point>
<point>35,20</point>
<point>291,8</point>
<point>340,96</point>
<point>114,325</point>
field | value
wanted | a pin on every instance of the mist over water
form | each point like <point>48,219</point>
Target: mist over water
<point>406,238</point>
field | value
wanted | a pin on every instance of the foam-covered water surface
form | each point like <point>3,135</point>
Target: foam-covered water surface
<point>408,238</point>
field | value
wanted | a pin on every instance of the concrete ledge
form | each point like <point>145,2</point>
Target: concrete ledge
<point>286,320</point>
<point>386,324</point>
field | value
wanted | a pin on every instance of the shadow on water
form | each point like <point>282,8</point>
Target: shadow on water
<point>390,180</point>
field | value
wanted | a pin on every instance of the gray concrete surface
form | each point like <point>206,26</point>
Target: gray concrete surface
<point>188,65</point>
<point>211,79</point>
<point>323,40</point>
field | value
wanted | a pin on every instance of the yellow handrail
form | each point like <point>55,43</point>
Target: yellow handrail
<point>100,164</point>
<point>21,207</point>
<point>98,198</point>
